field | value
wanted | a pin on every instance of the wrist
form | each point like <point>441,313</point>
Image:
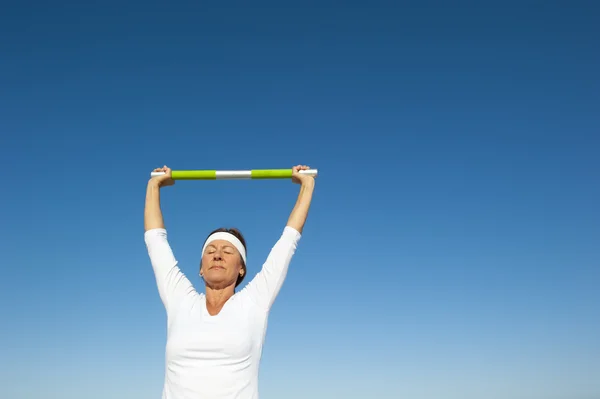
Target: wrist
<point>153,184</point>
<point>308,183</point>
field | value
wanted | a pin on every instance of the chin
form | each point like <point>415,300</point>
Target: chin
<point>217,283</point>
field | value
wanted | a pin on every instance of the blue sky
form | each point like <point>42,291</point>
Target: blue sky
<point>452,246</point>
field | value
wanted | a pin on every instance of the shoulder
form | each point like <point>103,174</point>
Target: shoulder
<point>245,302</point>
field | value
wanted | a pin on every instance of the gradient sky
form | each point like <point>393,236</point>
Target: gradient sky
<point>452,249</point>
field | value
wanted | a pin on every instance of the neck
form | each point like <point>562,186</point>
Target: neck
<point>217,297</point>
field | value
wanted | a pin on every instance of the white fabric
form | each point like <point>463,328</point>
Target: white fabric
<point>233,240</point>
<point>216,357</point>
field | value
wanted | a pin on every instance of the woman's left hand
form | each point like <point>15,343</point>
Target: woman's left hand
<point>300,178</point>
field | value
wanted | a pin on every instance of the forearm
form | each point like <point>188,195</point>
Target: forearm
<point>299,214</point>
<point>153,218</point>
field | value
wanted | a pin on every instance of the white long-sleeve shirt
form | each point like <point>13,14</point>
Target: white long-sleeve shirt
<point>215,357</point>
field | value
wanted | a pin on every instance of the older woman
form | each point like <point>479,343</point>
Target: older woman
<point>215,339</point>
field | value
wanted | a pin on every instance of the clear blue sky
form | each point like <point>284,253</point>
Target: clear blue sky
<point>452,250</point>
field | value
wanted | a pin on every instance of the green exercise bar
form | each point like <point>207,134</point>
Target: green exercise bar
<point>234,174</point>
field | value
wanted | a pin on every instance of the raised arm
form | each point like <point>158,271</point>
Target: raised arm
<point>264,288</point>
<point>173,285</point>
<point>299,214</point>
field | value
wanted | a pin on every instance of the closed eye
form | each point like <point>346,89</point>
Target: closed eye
<point>227,250</point>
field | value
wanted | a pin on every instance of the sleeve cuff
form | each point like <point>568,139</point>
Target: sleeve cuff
<point>292,233</point>
<point>155,232</point>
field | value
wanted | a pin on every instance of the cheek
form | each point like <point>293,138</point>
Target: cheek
<point>203,260</point>
<point>233,261</point>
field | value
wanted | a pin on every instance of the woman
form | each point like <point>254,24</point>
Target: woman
<point>214,340</point>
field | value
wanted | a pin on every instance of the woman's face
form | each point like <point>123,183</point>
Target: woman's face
<point>221,264</point>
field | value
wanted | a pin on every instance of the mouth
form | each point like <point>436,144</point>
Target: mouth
<point>217,267</point>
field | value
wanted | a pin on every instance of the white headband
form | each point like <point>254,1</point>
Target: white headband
<point>221,235</point>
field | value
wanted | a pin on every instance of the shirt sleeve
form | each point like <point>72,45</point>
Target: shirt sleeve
<point>173,285</point>
<point>265,286</point>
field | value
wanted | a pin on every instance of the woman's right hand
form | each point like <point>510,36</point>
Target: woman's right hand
<point>163,180</point>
